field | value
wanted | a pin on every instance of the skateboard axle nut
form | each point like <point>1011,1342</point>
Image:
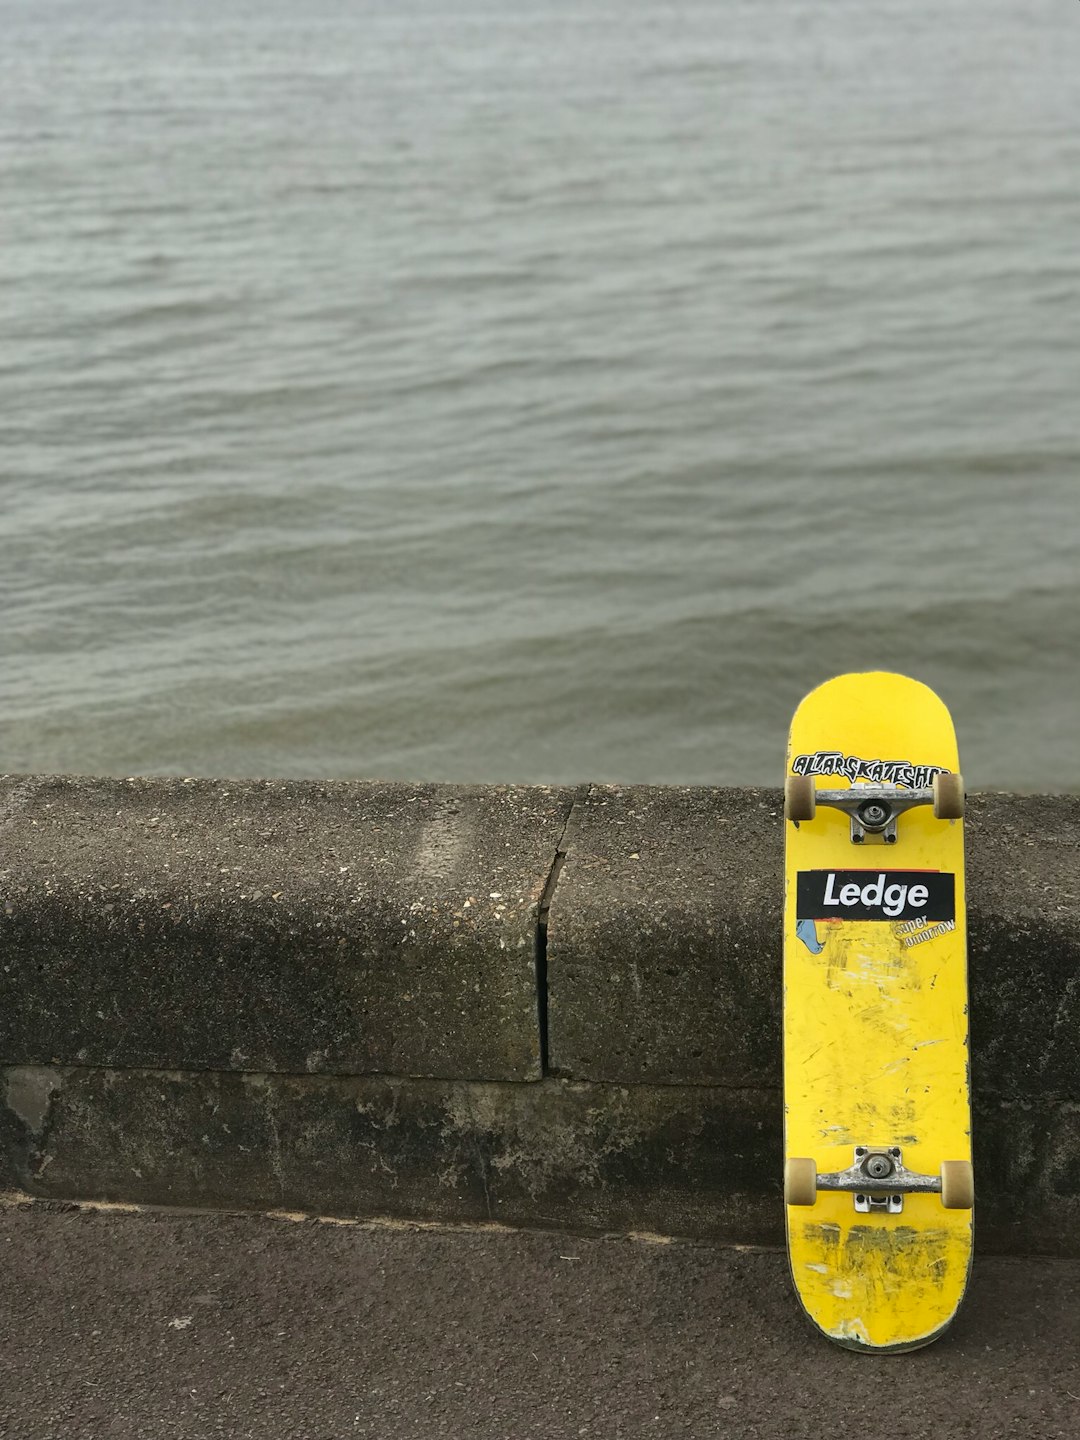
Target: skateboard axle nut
<point>878,1167</point>
<point>874,815</point>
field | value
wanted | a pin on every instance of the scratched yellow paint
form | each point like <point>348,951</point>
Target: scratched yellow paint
<point>875,1036</point>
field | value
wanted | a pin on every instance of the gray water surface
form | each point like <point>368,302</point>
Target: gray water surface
<point>550,392</point>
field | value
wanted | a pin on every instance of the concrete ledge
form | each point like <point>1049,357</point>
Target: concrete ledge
<point>464,1003</point>
<point>681,1160</point>
<point>258,925</point>
<point>665,946</point>
<point>693,1161</point>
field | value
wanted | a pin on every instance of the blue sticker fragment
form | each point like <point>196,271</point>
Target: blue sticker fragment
<point>806,930</point>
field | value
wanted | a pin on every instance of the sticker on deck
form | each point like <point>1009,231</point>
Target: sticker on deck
<point>928,895</point>
<point>877,772</point>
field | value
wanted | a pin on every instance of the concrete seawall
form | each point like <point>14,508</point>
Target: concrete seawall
<point>542,1006</point>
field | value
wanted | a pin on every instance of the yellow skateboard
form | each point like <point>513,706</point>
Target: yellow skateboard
<point>878,1183</point>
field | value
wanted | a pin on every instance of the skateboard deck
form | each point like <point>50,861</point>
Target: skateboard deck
<point>877,1126</point>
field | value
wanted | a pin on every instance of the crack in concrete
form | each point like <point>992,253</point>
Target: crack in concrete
<point>543,913</point>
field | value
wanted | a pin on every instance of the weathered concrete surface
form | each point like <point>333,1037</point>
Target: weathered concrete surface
<point>664,945</point>
<point>263,926</point>
<point>693,1160</point>
<point>664,950</point>
<point>200,984</point>
<point>681,1160</point>
<point>392,929</point>
<point>1023,874</point>
<point>155,1327</point>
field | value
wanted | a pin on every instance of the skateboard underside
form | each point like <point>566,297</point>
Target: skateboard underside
<point>875,1019</point>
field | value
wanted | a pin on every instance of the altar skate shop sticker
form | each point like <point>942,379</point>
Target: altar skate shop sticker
<point>891,895</point>
<point>874,772</point>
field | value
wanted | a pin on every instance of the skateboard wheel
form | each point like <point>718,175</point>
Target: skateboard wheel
<point>957,1185</point>
<point>800,1181</point>
<point>800,802</point>
<point>948,797</point>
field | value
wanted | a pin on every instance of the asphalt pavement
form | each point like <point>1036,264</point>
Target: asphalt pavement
<point>119,1325</point>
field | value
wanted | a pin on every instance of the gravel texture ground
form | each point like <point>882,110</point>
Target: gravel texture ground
<point>120,1325</point>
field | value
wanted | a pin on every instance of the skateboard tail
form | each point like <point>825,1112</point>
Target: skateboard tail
<point>880,1287</point>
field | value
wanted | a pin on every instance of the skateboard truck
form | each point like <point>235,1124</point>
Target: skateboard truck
<point>873,809</point>
<point>879,1180</point>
